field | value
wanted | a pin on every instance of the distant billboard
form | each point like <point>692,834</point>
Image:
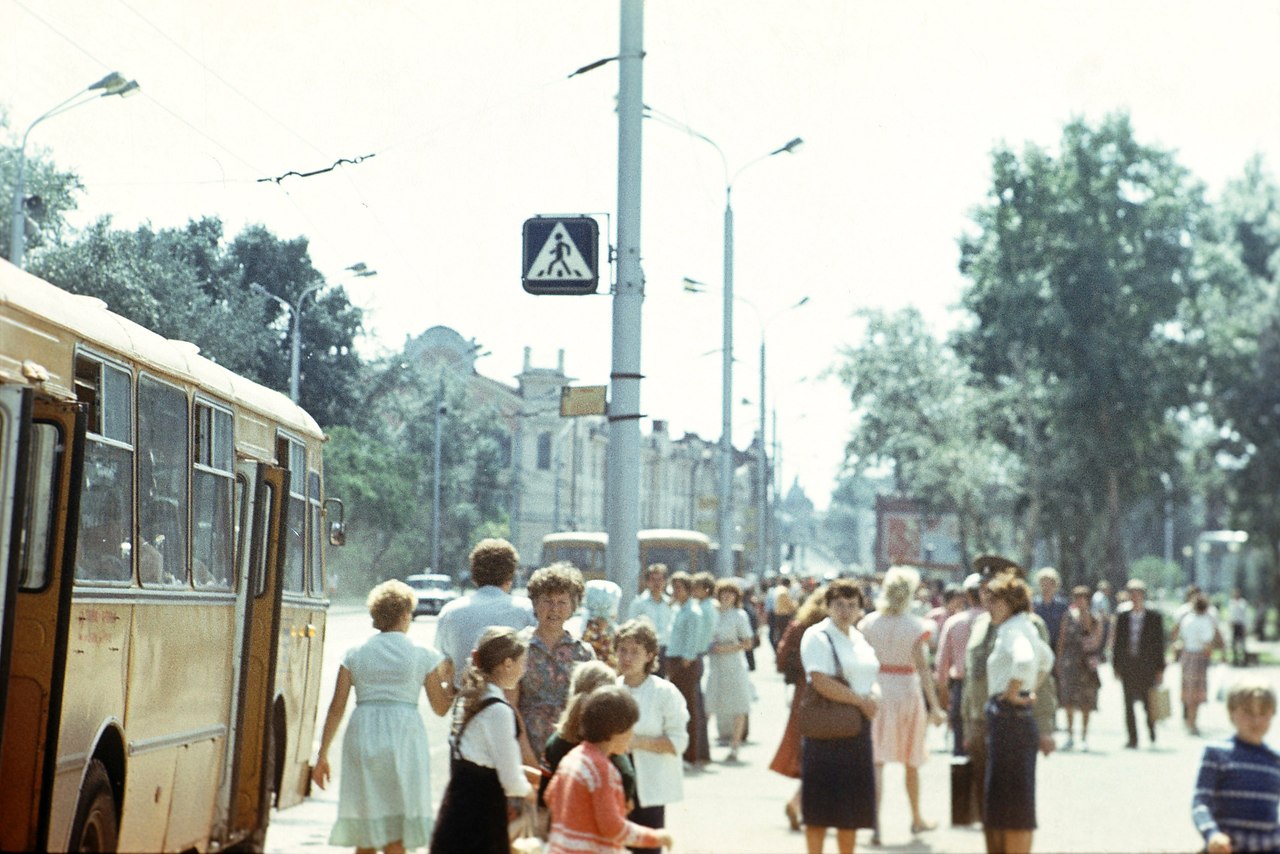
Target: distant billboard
<point>905,534</point>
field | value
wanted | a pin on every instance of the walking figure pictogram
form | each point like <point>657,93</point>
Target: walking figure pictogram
<point>560,252</point>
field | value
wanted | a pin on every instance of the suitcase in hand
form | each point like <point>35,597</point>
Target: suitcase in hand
<point>962,800</point>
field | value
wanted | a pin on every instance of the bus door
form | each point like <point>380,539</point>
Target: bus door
<point>41,445</point>
<point>253,761</point>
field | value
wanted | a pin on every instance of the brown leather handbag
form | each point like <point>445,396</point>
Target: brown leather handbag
<point>824,719</point>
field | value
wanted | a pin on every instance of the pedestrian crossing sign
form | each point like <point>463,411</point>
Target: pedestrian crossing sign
<point>561,255</point>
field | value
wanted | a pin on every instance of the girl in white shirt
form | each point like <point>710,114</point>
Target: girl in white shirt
<point>662,732</point>
<point>1019,660</point>
<point>485,767</point>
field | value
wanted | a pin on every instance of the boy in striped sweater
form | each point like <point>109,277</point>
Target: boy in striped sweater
<point>1238,788</point>
<point>588,809</point>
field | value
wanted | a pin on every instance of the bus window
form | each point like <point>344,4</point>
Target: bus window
<point>316,584</point>
<point>105,544</point>
<point>162,484</point>
<point>33,565</point>
<point>214,484</point>
<point>295,518</point>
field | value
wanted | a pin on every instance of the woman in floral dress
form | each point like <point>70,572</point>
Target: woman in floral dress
<point>1078,654</point>
<point>555,591</point>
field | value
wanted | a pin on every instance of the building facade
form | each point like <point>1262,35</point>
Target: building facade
<point>558,464</point>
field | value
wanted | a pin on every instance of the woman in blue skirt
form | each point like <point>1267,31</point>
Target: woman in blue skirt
<point>1018,662</point>
<point>837,778</point>
<point>384,794</point>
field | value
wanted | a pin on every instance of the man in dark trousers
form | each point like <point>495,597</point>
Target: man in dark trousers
<point>1138,656</point>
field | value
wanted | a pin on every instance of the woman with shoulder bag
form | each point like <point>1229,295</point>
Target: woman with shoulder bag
<point>786,761</point>
<point>837,779</point>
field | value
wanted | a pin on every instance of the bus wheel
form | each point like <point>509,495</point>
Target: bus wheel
<point>96,826</point>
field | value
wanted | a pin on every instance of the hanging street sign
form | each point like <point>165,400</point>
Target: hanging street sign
<point>582,400</point>
<point>561,255</point>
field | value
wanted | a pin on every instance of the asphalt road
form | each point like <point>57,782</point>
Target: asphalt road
<point>1106,800</point>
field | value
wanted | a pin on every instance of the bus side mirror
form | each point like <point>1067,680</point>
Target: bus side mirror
<point>337,529</point>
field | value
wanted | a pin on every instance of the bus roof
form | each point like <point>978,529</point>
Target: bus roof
<point>592,537</point>
<point>30,355</point>
<point>674,535</point>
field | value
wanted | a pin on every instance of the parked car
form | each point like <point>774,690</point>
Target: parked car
<point>434,592</point>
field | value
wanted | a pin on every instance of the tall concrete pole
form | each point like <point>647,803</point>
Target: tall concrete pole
<point>435,478</point>
<point>762,483</point>
<point>724,562</point>
<point>622,472</point>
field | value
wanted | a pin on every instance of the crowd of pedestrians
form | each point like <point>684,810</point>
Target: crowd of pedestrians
<point>576,735</point>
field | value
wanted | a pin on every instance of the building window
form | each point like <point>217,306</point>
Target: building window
<point>504,451</point>
<point>544,451</point>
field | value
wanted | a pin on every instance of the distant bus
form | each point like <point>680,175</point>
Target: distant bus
<point>162,596</point>
<point>689,551</point>
<point>583,549</point>
<point>680,550</point>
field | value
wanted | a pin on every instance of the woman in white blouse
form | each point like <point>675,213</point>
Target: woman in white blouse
<point>1197,635</point>
<point>837,778</point>
<point>661,734</point>
<point>1018,662</point>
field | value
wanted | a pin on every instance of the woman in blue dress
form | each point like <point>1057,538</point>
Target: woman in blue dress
<point>384,793</point>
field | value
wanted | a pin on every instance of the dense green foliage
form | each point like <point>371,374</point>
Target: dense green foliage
<point>1117,367</point>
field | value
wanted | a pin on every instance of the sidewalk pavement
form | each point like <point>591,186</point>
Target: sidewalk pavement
<point>1106,800</point>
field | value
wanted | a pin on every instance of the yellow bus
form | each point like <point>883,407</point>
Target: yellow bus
<point>680,550</point>
<point>583,549</point>
<point>162,597</point>
<point>689,551</point>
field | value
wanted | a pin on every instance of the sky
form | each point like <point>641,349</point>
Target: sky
<point>474,125</point>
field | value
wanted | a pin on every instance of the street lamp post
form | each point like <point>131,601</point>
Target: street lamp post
<point>762,498</point>
<point>435,480</point>
<point>295,323</point>
<point>112,84</point>
<point>762,467</point>
<point>724,525</point>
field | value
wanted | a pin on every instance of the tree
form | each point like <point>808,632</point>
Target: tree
<point>1080,265</point>
<point>330,323</point>
<point>918,411</point>
<point>853,500</point>
<point>397,414</point>
<point>49,194</point>
<point>378,487</point>
<point>172,281</point>
<point>1243,334</point>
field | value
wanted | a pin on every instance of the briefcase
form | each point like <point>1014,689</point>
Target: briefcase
<point>962,806</point>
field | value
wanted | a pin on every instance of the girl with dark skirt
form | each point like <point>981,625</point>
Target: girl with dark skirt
<point>1018,662</point>
<point>837,778</point>
<point>485,767</point>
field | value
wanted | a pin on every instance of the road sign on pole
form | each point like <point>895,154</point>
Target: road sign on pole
<point>561,255</point>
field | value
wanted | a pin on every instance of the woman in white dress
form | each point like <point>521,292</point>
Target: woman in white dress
<point>728,683</point>
<point>384,794</point>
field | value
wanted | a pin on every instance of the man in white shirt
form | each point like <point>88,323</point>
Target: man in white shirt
<point>652,604</point>
<point>493,568</point>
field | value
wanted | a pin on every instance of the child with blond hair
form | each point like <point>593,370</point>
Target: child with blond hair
<point>1238,788</point>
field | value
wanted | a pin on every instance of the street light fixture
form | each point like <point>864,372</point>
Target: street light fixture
<point>360,271</point>
<point>762,467</point>
<point>725,511</point>
<point>112,84</point>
